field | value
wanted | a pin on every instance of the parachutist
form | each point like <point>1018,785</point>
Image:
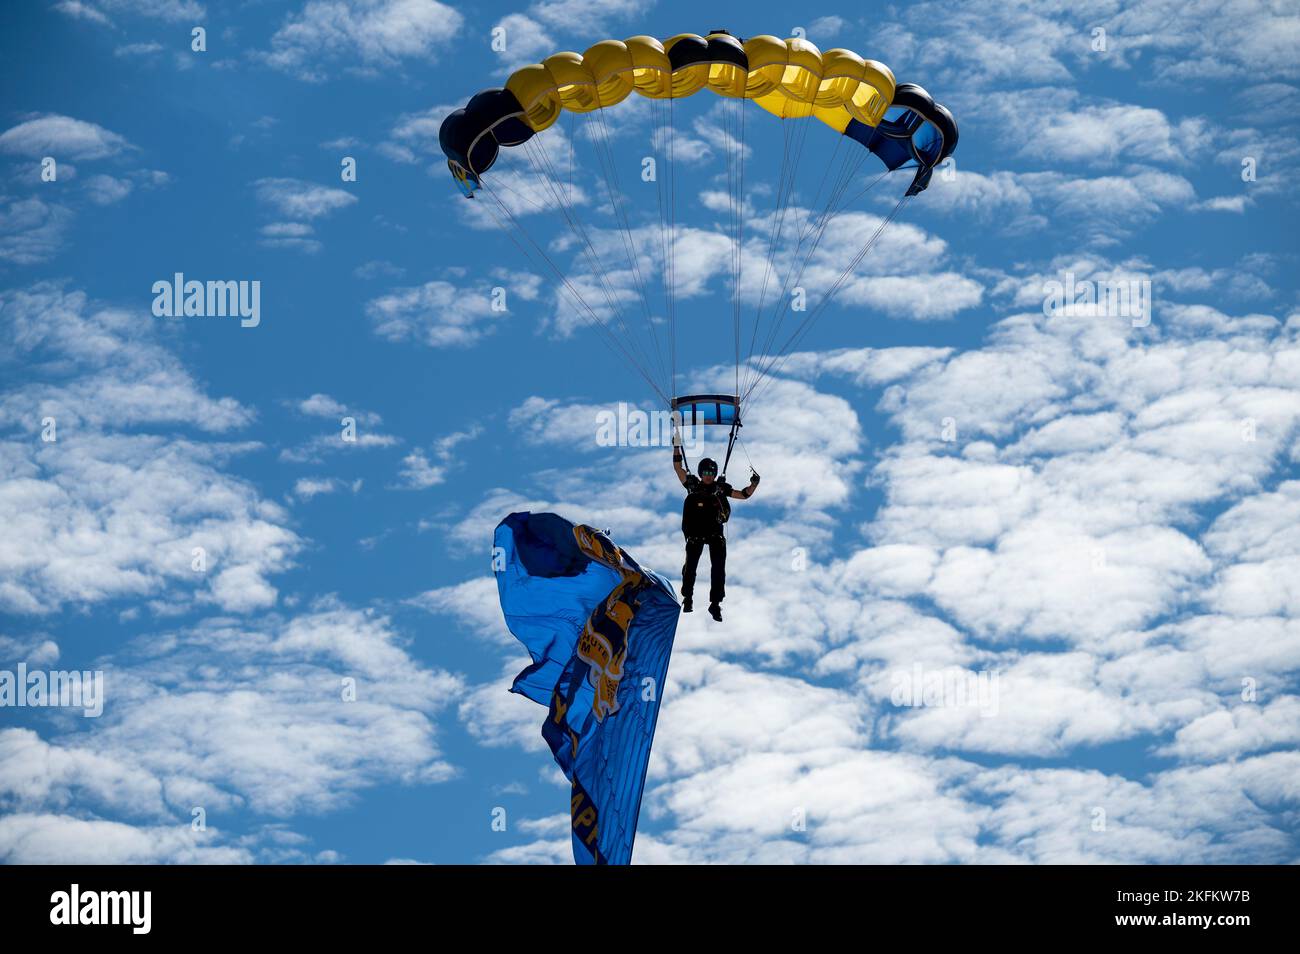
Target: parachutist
<point>704,513</point>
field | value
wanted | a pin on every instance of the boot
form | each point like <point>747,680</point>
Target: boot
<point>686,605</point>
<point>715,610</point>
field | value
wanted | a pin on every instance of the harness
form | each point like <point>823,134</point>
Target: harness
<point>705,511</point>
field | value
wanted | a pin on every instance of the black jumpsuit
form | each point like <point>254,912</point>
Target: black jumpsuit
<point>702,526</point>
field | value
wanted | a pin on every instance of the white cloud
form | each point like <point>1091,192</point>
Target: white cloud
<point>440,314</point>
<point>1259,536</point>
<point>322,405</point>
<point>526,41</point>
<point>95,518</point>
<point>869,367</point>
<point>31,231</point>
<point>99,514</point>
<point>295,235</point>
<point>216,716</point>
<point>999,198</point>
<point>1055,126</point>
<point>106,190</point>
<point>126,376</point>
<point>1242,729</point>
<point>1106,209</point>
<point>62,137</point>
<point>924,297</point>
<point>590,14</point>
<point>1051,816</point>
<point>989,43</point>
<point>305,488</point>
<point>31,838</point>
<point>138,50</point>
<point>312,450</point>
<point>825,27</point>
<point>365,34</point>
<point>77,10</point>
<point>296,199</point>
<point>474,602</point>
<point>419,473</point>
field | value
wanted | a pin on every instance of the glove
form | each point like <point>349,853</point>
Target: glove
<point>753,477</point>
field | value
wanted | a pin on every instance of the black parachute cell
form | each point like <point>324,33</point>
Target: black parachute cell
<point>688,50</point>
<point>454,137</point>
<point>460,136</point>
<point>499,111</point>
<point>915,98</point>
<point>947,124</point>
<point>915,129</point>
<point>473,136</point>
<point>724,48</point>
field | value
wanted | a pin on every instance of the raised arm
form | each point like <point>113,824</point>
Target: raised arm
<point>682,472</point>
<point>747,492</point>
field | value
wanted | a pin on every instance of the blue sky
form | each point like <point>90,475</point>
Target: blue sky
<point>1110,530</point>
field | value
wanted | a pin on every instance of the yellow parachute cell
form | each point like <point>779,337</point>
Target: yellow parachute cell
<point>789,78</point>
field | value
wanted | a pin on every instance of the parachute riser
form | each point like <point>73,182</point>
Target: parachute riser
<point>731,443</point>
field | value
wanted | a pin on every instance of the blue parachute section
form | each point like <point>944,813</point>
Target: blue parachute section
<point>600,629</point>
<point>707,409</point>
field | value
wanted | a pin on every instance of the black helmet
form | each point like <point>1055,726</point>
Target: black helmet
<point>707,467</point>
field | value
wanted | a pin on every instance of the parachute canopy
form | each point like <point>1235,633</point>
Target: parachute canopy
<point>600,630</point>
<point>640,253</point>
<point>791,79</point>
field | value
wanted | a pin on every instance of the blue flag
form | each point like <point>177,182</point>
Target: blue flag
<point>600,629</point>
